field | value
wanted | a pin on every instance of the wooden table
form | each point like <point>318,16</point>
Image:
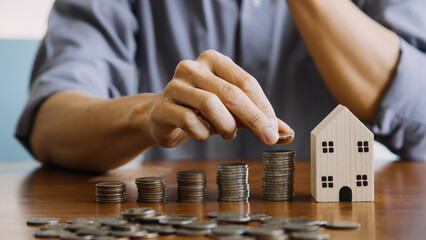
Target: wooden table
<point>28,190</point>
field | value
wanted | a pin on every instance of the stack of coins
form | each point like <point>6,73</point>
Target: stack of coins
<point>151,189</point>
<point>111,192</point>
<point>232,182</point>
<point>278,175</point>
<point>191,186</point>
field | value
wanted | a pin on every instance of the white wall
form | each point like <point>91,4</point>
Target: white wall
<point>24,19</point>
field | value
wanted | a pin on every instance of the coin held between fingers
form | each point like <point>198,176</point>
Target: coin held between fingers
<point>285,138</point>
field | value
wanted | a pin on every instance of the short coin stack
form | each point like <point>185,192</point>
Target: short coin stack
<point>151,189</point>
<point>232,182</point>
<point>111,192</point>
<point>278,175</point>
<point>191,186</point>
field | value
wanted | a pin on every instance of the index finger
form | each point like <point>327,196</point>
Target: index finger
<point>223,67</point>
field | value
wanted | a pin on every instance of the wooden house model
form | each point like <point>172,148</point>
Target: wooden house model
<point>342,168</point>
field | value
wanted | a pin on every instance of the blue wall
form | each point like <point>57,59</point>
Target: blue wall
<point>16,58</point>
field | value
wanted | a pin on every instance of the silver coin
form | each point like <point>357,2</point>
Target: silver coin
<point>73,236</point>
<point>310,235</point>
<point>234,218</point>
<point>82,220</point>
<point>307,221</point>
<point>342,224</point>
<point>130,234</point>
<point>300,227</point>
<point>236,238</point>
<point>150,235</point>
<point>192,232</point>
<point>43,220</point>
<point>51,233</point>
<point>162,229</point>
<point>151,219</point>
<point>228,230</point>
<point>92,232</point>
<point>280,220</point>
<point>200,225</point>
<point>138,212</point>
<point>259,216</point>
<point>111,220</point>
<point>259,231</point>
<point>174,221</point>
<point>58,226</point>
<point>124,227</point>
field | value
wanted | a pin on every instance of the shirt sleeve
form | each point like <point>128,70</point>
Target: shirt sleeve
<point>90,47</point>
<point>400,121</point>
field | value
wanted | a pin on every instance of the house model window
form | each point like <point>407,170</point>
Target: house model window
<point>362,146</point>
<point>327,181</point>
<point>328,147</point>
<point>361,180</point>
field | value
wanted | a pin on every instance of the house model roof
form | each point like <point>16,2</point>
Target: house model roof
<point>340,109</point>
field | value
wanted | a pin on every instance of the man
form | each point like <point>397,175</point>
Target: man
<point>271,60</point>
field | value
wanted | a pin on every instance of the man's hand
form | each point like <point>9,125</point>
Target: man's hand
<point>212,95</point>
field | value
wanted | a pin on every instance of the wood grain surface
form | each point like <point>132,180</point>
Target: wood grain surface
<point>29,190</point>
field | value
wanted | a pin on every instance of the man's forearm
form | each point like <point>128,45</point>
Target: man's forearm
<point>355,55</point>
<point>79,131</point>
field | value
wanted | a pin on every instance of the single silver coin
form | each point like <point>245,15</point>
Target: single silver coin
<point>310,235</point>
<point>43,220</point>
<point>192,232</point>
<point>278,220</point>
<point>150,235</point>
<point>82,220</point>
<point>162,229</point>
<point>111,220</point>
<point>59,226</point>
<point>259,216</point>
<point>342,224</point>
<point>307,221</point>
<point>174,221</point>
<point>234,218</point>
<point>73,236</point>
<point>264,232</point>
<point>236,238</point>
<point>47,233</point>
<point>93,232</point>
<point>300,227</point>
<point>138,212</point>
<point>228,230</point>
<point>130,234</point>
<point>200,225</point>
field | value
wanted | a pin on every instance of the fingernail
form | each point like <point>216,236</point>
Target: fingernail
<point>271,135</point>
<point>274,123</point>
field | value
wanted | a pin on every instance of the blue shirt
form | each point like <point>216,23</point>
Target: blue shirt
<point>111,49</point>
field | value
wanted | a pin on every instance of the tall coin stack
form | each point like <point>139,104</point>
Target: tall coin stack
<point>111,192</point>
<point>278,175</point>
<point>191,186</point>
<point>232,182</point>
<point>151,189</point>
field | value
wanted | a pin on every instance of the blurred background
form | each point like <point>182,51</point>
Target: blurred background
<point>23,24</point>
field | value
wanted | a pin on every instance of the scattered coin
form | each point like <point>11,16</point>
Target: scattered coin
<point>300,227</point>
<point>264,232</point>
<point>307,221</point>
<point>234,218</point>
<point>47,233</point>
<point>83,220</point>
<point>342,224</point>
<point>73,236</point>
<point>200,225</point>
<point>151,189</point>
<point>43,220</point>
<point>310,235</point>
<point>239,237</point>
<point>138,212</point>
<point>278,175</point>
<point>93,232</point>
<point>161,229</point>
<point>277,220</point>
<point>232,182</point>
<point>191,186</point>
<point>111,192</point>
<point>193,232</point>
<point>259,217</point>
<point>228,230</point>
<point>176,221</point>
